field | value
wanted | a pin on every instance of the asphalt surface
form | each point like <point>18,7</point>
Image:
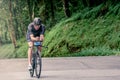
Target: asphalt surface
<point>65,68</point>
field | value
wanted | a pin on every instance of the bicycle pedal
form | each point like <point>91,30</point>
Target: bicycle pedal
<point>30,70</point>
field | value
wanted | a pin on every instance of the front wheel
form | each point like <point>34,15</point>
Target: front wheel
<point>38,65</point>
<point>33,66</point>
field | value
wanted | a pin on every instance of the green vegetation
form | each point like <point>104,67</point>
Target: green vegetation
<point>85,37</point>
<point>90,29</point>
<point>6,51</point>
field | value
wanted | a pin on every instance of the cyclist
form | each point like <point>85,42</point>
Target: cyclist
<point>35,32</point>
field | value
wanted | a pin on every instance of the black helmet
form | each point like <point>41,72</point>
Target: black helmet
<point>37,21</point>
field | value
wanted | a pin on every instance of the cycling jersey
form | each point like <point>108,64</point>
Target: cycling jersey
<point>36,33</point>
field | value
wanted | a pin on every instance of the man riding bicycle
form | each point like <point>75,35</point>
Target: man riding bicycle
<point>35,32</point>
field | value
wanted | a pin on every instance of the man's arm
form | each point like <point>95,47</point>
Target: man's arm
<point>31,34</point>
<point>34,38</point>
<point>42,33</point>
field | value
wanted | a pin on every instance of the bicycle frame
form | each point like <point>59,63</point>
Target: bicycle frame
<point>36,61</point>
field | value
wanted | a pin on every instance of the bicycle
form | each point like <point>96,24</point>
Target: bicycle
<point>36,60</point>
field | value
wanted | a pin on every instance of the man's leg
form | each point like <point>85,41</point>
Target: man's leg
<point>30,44</point>
<point>40,49</point>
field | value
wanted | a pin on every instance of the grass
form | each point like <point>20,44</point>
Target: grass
<point>102,51</point>
<point>7,51</point>
<point>97,37</point>
<point>21,52</point>
<point>87,33</point>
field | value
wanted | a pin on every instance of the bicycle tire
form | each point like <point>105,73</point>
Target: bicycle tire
<point>38,65</point>
<point>33,66</point>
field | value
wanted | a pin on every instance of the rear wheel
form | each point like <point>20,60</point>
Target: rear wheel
<point>38,65</point>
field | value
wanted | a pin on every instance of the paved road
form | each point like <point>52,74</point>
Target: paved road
<point>73,68</point>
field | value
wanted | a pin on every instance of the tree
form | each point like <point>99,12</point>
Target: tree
<point>11,29</point>
<point>66,7</point>
<point>29,2</point>
<point>15,8</point>
<point>52,10</point>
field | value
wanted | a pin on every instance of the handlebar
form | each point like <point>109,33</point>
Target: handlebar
<point>38,43</point>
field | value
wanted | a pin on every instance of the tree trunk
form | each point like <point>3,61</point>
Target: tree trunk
<point>0,36</point>
<point>66,8</point>
<point>0,41</point>
<point>42,14</point>
<point>30,9</point>
<point>15,20</point>
<point>11,29</point>
<point>52,11</point>
<point>46,14</point>
<point>6,32</point>
<point>22,28</point>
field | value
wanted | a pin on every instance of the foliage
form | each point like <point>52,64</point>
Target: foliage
<point>7,51</point>
<point>21,51</point>
<point>102,51</point>
<point>97,37</point>
<point>92,29</point>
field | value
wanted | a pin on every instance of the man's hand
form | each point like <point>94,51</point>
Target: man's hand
<point>37,38</point>
<point>41,37</point>
<point>34,38</point>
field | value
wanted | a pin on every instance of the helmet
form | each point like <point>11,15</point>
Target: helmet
<point>37,21</point>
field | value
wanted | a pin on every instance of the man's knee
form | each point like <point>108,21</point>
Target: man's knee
<point>39,48</point>
<point>30,47</point>
<point>30,44</point>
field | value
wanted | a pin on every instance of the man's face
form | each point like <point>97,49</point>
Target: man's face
<point>36,27</point>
